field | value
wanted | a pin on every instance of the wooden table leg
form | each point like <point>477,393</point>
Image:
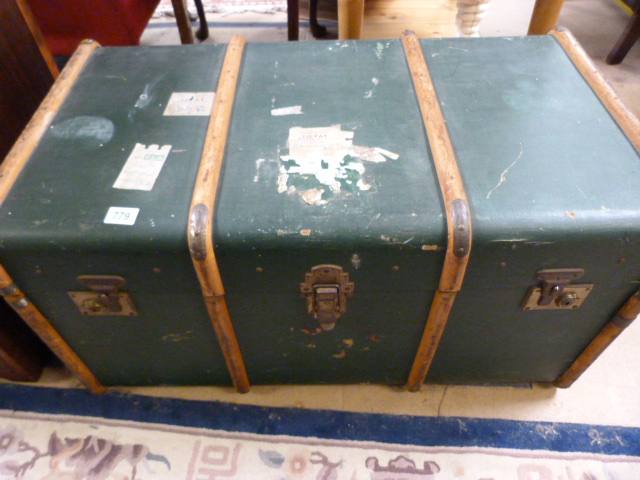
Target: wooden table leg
<point>470,13</point>
<point>350,19</point>
<point>182,19</point>
<point>545,16</point>
<point>293,19</point>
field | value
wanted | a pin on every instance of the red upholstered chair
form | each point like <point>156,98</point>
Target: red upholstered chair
<point>66,23</point>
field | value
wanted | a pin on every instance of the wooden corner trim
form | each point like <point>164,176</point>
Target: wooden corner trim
<point>41,326</point>
<point>459,225</point>
<point>21,151</point>
<point>203,203</point>
<point>627,121</point>
<point>621,320</point>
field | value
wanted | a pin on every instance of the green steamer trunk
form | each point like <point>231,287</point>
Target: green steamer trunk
<point>330,228</point>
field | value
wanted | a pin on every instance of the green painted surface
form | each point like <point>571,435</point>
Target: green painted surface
<point>53,230</point>
<point>264,222</point>
<point>327,162</point>
<point>552,183</point>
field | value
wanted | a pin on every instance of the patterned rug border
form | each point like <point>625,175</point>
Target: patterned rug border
<point>327,424</point>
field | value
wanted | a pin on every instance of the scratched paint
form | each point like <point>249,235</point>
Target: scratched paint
<point>323,163</point>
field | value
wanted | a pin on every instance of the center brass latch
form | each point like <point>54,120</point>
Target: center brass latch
<point>104,297</point>
<point>556,292</point>
<point>326,289</point>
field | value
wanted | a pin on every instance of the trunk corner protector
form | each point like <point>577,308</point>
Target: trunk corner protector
<point>198,232</point>
<point>462,228</point>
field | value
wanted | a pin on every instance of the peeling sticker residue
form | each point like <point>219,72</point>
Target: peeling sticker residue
<point>145,97</point>
<point>380,48</point>
<point>323,163</point>
<point>285,232</point>
<point>259,163</point>
<point>295,110</point>
<point>178,337</point>
<point>369,93</point>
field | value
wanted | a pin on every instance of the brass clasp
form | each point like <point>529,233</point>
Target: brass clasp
<point>326,289</point>
<point>556,292</point>
<point>105,297</point>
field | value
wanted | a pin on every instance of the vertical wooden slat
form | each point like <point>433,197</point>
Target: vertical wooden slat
<point>9,171</point>
<point>457,211</point>
<point>203,207</point>
<point>41,326</point>
<point>38,37</point>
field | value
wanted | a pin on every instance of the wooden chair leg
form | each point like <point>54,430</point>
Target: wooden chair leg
<point>183,21</point>
<point>203,30</point>
<point>317,30</point>
<point>627,39</point>
<point>293,19</point>
<point>545,16</point>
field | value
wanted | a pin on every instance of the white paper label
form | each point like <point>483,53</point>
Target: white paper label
<point>295,110</point>
<point>142,167</point>
<point>190,103</point>
<point>121,215</point>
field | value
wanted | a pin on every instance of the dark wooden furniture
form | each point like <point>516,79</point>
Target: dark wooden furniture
<point>629,36</point>
<point>293,20</point>
<point>27,72</point>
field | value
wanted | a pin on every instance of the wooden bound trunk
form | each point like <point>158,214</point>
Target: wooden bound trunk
<point>325,216</point>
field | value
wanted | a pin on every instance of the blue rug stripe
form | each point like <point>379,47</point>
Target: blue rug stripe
<point>404,430</point>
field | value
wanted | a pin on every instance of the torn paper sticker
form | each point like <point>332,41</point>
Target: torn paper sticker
<point>323,163</point>
<point>190,104</point>
<point>295,110</point>
<point>142,167</point>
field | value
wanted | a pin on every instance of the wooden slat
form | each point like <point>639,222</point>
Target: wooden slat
<point>625,316</point>
<point>41,326</point>
<point>9,171</point>
<point>203,206</point>
<point>627,121</point>
<point>25,145</point>
<point>453,193</point>
<point>444,158</point>
<point>38,37</point>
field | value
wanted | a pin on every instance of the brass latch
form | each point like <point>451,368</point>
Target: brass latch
<point>326,289</point>
<point>556,292</point>
<point>105,297</point>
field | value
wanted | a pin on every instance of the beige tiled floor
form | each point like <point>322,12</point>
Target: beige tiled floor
<point>607,394</point>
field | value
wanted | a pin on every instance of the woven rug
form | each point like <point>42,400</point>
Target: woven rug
<point>165,7</point>
<point>60,434</point>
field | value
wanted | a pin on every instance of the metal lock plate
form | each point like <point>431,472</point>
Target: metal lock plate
<point>104,297</point>
<point>326,289</point>
<point>556,291</point>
